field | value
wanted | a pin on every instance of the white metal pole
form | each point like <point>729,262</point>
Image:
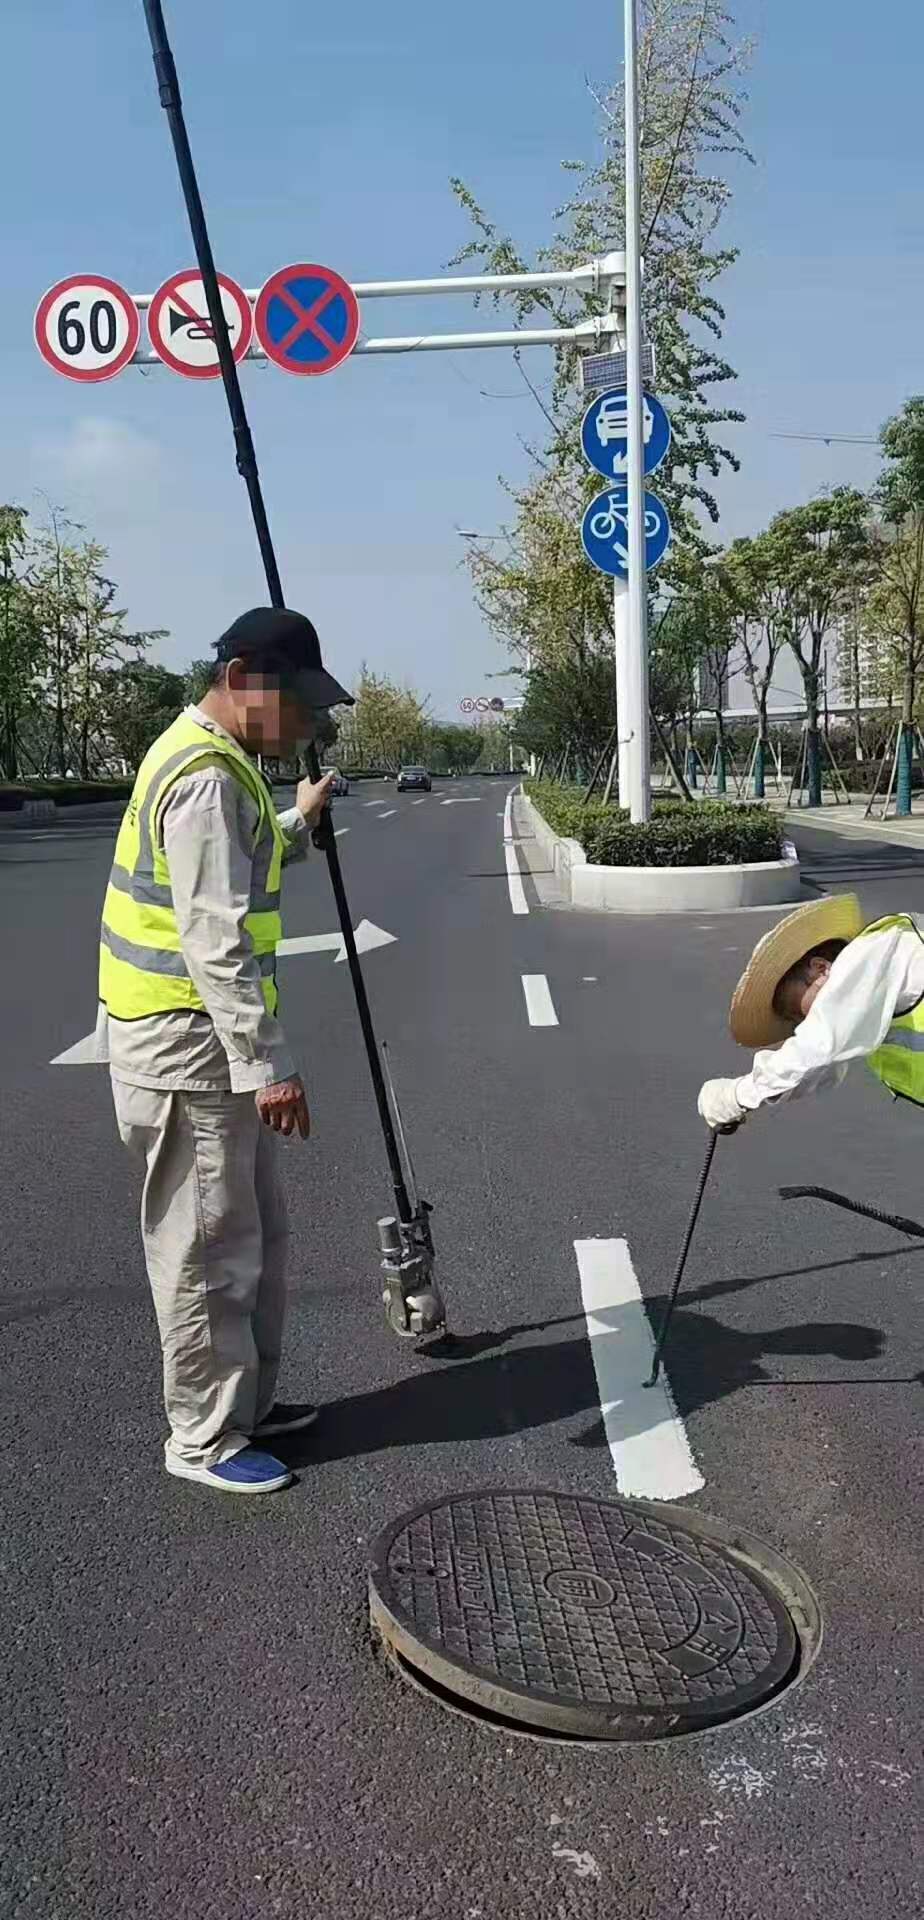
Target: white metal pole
<point>637,669</point>
<point>624,736</point>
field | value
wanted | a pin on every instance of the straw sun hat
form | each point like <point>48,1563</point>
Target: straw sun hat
<point>752,1019</point>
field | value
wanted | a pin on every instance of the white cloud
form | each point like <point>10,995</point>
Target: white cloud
<point>97,451</point>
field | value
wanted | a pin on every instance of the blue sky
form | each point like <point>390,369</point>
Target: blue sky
<point>330,135</point>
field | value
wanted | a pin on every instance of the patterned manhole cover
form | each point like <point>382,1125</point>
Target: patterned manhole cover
<point>608,1619</point>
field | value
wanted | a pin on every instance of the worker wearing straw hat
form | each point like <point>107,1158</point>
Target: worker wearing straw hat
<point>823,989</point>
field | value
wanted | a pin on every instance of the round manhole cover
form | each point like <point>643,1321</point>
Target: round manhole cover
<point>609,1619</point>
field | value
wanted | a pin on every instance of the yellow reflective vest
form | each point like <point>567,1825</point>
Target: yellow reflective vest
<point>899,1062</point>
<point>141,966</point>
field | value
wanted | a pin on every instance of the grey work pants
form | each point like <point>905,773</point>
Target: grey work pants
<point>213,1223</point>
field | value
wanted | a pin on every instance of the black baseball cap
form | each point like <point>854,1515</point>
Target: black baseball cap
<point>276,640</point>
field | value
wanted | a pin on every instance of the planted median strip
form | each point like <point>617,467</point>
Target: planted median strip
<point>709,855</point>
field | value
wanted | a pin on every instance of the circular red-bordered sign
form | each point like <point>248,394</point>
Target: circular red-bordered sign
<point>87,327</point>
<point>180,328</point>
<point>307,319</point>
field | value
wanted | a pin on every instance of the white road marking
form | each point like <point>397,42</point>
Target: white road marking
<point>518,900</point>
<point>368,936</point>
<point>83,1054</point>
<point>647,1440</point>
<point>388,815</point>
<point>421,802</point>
<point>339,832</point>
<point>372,803</point>
<point>589,979</point>
<point>538,1000</point>
<point>462,800</point>
<point>86,1052</point>
<point>310,943</point>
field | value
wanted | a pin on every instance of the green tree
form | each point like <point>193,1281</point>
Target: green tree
<point>453,748</point>
<point>21,640</point>
<point>816,553</point>
<point>102,643</point>
<point>137,702</point>
<point>754,593</point>
<point>55,601</point>
<point>197,680</point>
<point>541,589</point>
<point>388,724</point>
<point>569,709</point>
<point>895,604</point>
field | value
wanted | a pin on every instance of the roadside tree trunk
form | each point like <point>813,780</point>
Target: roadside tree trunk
<point>905,744</point>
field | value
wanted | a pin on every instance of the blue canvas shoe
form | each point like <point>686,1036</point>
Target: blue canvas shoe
<point>249,1471</point>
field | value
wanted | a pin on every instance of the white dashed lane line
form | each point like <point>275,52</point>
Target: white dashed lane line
<point>539,1006</point>
<point>647,1440</point>
<point>388,815</point>
<point>518,900</point>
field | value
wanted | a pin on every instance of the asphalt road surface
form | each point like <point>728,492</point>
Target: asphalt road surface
<point>195,1719</point>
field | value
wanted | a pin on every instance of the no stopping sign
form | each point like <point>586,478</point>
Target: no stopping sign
<point>87,327</point>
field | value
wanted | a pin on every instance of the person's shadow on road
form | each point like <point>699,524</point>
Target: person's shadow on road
<point>491,1388</point>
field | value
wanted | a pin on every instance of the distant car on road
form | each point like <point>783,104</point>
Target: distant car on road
<point>340,784</point>
<point>409,777</point>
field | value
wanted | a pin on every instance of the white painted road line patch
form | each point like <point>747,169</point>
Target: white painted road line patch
<point>462,800</point>
<point>518,900</point>
<point>538,1000</point>
<point>372,803</point>
<point>647,1439</point>
<point>421,802</point>
<point>85,1053</point>
<point>339,832</point>
<point>388,815</point>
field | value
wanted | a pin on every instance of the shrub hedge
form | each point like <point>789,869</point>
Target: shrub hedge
<point>66,793</point>
<point>705,833</point>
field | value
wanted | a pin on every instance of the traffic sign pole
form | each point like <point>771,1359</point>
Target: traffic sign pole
<point>639,795</point>
<point>415,1221</point>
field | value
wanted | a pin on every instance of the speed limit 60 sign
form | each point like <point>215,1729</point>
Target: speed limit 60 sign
<point>87,327</point>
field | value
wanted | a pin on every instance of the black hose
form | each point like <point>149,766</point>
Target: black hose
<point>895,1220</point>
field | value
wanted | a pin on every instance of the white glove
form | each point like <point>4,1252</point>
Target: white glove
<point>718,1104</point>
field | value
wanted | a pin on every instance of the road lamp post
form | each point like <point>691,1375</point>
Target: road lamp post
<point>635,677</point>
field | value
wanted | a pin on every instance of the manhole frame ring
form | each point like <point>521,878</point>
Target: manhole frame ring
<point>481,1699</point>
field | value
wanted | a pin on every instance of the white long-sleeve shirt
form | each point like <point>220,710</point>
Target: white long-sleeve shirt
<point>208,823</point>
<point>875,979</point>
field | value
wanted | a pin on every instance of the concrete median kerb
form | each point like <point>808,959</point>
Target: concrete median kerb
<point>760,883</point>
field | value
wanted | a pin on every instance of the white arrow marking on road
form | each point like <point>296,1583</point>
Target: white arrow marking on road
<point>84,1053</point>
<point>647,1439</point>
<point>366,936</point>
<point>311,943</point>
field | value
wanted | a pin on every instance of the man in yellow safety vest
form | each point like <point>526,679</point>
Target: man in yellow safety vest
<point>820,990</point>
<point>202,1074</point>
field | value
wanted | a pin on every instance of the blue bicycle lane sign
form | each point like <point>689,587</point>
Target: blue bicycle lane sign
<point>604,534</point>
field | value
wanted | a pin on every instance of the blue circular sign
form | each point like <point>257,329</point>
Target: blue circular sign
<point>604,534</point>
<point>307,319</point>
<point>603,433</point>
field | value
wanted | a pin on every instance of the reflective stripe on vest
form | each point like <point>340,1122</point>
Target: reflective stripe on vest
<point>899,1062</point>
<point>142,969</point>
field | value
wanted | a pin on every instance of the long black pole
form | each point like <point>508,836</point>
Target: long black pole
<point>678,1276</point>
<point>169,87</point>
